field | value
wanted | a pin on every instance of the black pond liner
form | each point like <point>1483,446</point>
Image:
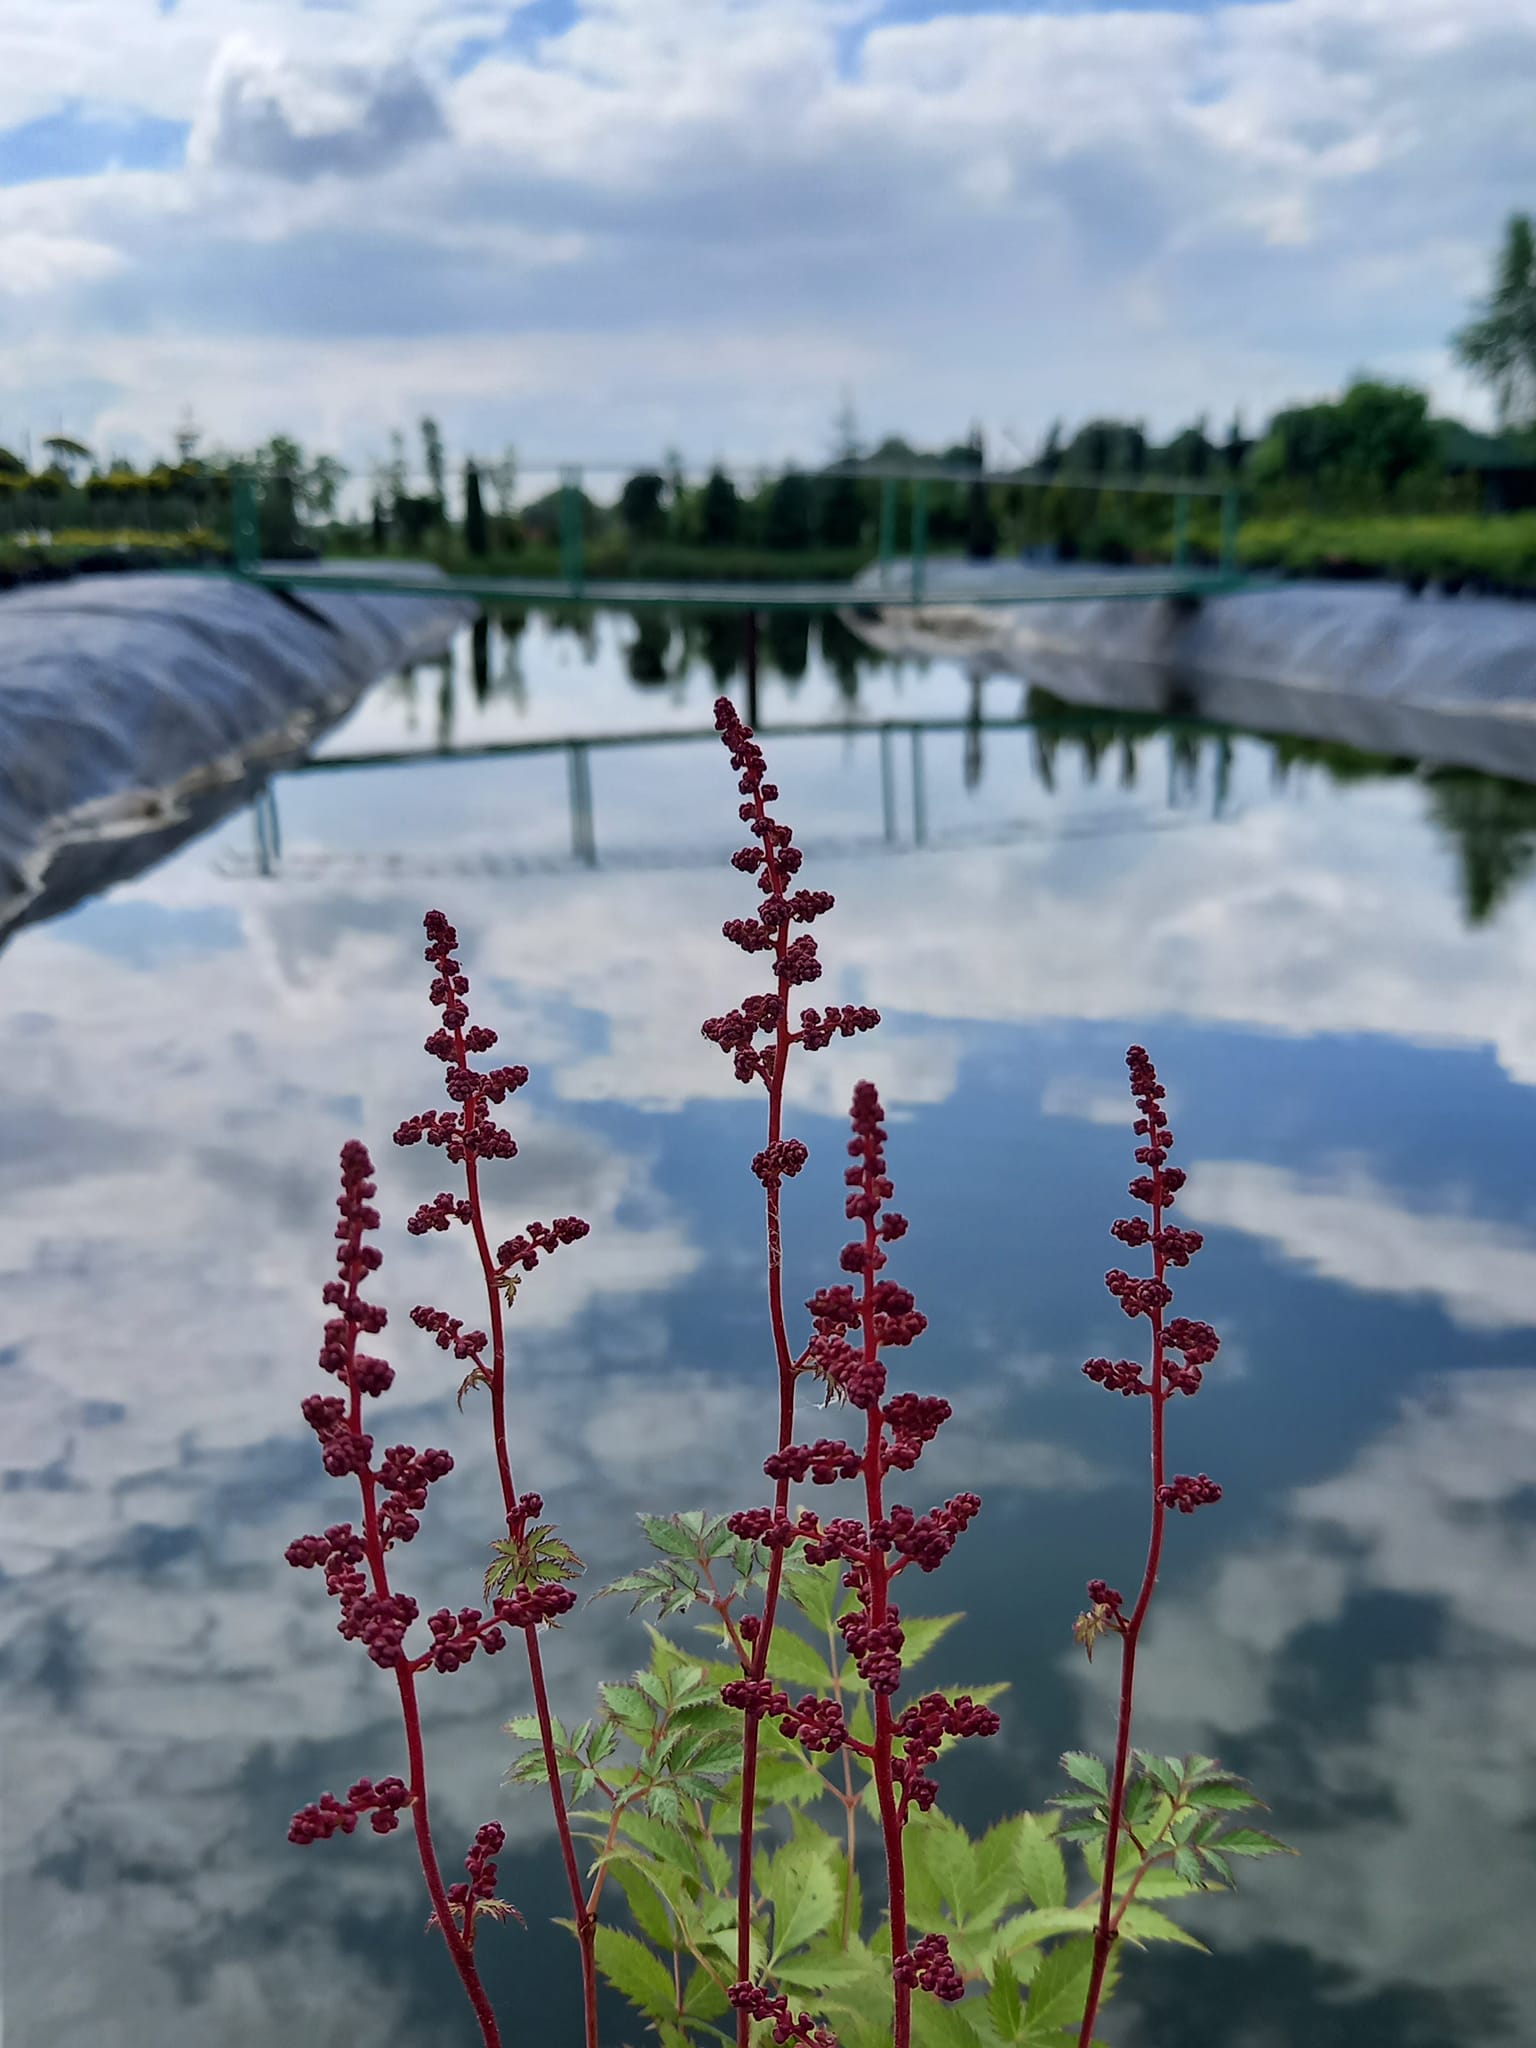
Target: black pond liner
<point>136,710</point>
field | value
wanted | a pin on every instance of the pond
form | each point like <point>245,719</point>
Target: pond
<point>1333,961</point>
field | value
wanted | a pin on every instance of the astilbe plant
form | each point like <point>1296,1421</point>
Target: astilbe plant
<point>796,1707</point>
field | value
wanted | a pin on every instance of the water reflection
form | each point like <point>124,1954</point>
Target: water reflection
<point>179,1062</point>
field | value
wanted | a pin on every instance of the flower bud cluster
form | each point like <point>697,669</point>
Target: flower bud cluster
<point>1186,1493</point>
<point>524,1250</point>
<point>760,2004</point>
<point>773,860</point>
<point>490,1840</point>
<point>329,1815</point>
<point>473,1133</point>
<point>930,1968</point>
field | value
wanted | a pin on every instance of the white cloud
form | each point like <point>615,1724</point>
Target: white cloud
<point>1424,1803</point>
<point>1150,210</point>
<point>1345,1227</point>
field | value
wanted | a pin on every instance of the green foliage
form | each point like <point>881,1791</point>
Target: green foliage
<point>537,1558</point>
<point>476,528</point>
<point>663,1758</point>
<point>1364,444</point>
<point>1499,346</point>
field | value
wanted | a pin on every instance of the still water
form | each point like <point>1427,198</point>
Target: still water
<point>1334,963</point>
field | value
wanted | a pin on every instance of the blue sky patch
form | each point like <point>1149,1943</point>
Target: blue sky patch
<point>77,142</point>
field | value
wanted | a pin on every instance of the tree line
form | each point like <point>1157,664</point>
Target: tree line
<point>1375,448</point>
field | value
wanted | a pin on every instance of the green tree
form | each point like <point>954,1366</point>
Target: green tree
<point>1049,460</point>
<point>720,511</point>
<point>1361,445</point>
<point>787,524</point>
<point>1499,346</point>
<point>432,455</point>
<point>842,512</point>
<point>476,535</point>
<point>1189,453</point>
<point>640,505</point>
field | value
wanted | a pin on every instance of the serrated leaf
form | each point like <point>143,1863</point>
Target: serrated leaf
<point>814,1590</point>
<point>633,1971</point>
<point>1165,1771</point>
<point>1005,2006</point>
<point>1142,1799</point>
<point>524,1726</point>
<point>539,1557</point>
<point>805,1895</point>
<point>1224,1795</point>
<point>825,1969</point>
<point>702,1997</point>
<point>792,1661</point>
<point>935,2025</point>
<point>1251,1842</point>
<point>922,1633</point>
<point>1186,1864</point>
<point>1041,1867</point>
<point>647,1901</point>
<point>1087,1770</point>
<point>1163,1883</point>
<point>1213,1860</point>
<point>667,1533</point>
<point>1059,1990</point>
<point>1028,1930</point>
<point>1145,1923</point>
<point>664,1803</point>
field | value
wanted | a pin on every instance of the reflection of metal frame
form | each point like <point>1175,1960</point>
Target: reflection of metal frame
<point>267,858</point>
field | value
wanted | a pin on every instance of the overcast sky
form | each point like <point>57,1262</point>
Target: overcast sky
<point>602,227</point>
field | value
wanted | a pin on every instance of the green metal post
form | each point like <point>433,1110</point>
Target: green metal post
<point>1181,531</point>
<point>919,535</point>
<point>572,566</point>
<point>887,525</point>
<point>244,527</point>
<point>1230,507</point>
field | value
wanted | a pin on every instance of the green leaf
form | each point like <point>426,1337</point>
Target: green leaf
<point>646,1901</point>
<point>1004,2005</point>
<point>537,1558</point>
<point>936,2025</point>
<point>1226,1795</point>
<point>702,1997</point>
<point>1186,1864</point>
<point>524,1726</point>
<point>814,1590</point>
<point>1163,1883</point>
<point>1145,1923</point>
<point>940,1867</point>
<point>1059,1991</point>
<point>667,1533</point>
<point>1088,1771</point>
<point>629,1705</point>
<point>1252,1842</point>
<point>922,1633</point>
<point>825,1968</point>
<point>1165,1770</point>
<point>792,1661</point>
<point>632,1970</point>
<point>1213,1861</point>
<point>1042,1868</point>
<point>804,1893</point>
<point>1142,1799</point>
<point>1028,1930</point>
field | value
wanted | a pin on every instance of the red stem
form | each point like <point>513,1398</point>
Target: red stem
<point>458,1943</point>
<point>1104,1933</point>
<point>586,1924</point>
<point>785,1363</point>
<point>879,1588</point>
